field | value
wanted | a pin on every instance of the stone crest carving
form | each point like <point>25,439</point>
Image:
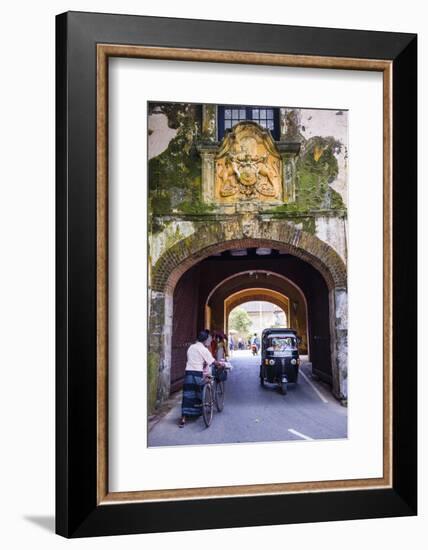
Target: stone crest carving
<point>248,165</point>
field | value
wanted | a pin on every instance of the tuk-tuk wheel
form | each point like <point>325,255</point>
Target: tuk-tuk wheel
<point>284,388</point>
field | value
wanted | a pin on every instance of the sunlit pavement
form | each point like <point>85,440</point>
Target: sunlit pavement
<point>254,413</point>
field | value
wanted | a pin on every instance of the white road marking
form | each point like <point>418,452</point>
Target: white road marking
<point>316,390</point>
<point>303,436</point>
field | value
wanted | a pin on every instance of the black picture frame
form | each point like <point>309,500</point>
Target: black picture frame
<point>77,512</point>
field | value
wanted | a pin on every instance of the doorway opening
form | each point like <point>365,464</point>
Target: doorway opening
<point>248,320</point>
<point>206,293</point>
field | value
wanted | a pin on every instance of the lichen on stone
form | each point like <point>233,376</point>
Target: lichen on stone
<point>316,169</point>
<point>152,379</point>
<point>170,232</point>
<point>175,175</point>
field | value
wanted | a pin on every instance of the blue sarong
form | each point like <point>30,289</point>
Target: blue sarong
<point>192,393</point>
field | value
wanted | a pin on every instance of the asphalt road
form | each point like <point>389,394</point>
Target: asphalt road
<point>254,413</point>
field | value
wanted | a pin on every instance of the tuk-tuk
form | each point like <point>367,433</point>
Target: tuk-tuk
<point>279,357</point>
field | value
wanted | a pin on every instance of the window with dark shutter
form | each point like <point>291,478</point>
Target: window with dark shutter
<point>229,115</point>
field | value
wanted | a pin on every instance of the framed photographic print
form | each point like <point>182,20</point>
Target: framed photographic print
<point>236,274</point>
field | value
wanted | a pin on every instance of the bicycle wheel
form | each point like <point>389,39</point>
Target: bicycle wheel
<point>207,404</point>
<point>219,395</point>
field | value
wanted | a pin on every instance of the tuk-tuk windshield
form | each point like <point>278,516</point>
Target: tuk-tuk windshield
<point>280,343</point>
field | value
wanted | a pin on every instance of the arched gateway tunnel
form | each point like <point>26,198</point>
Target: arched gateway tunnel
<point>248,203</point>
<point>214,286</point>
<point>250,284</point>
<point>196,286</point>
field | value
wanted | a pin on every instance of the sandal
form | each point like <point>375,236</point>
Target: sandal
<point>182,423</point>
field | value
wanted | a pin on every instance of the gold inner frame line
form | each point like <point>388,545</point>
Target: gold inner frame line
<point>104,51</point>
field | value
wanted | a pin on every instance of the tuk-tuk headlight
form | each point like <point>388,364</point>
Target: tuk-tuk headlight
<point>271,361</point>
<point>293,361</point>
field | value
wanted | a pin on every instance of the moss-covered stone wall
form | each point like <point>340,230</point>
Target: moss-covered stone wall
<point>177,212</point>
<point>316,169</point>
<point>175,174</point>
<point>319,173</point>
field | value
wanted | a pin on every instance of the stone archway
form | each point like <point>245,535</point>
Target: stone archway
<point>213,239</point>
<point>262,285</point>
<point>261,296</point>
<point>255,295</point>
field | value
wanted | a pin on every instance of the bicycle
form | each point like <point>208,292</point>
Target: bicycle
<point>212,394</point>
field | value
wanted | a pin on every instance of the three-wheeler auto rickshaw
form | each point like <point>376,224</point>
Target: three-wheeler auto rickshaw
<point>279,357</point>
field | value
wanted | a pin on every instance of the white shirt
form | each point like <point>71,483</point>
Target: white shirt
<point>198,356</point>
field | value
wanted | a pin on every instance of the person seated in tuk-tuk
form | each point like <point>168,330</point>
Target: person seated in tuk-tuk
<point>287,344</point>
<point>281,344</point>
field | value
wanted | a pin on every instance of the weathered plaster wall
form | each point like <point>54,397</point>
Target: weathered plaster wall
<point>330,123</point>
<point>175,164</point>
<point>160,134</point>
<point>332,230</point>
<point>175,173</point>
<point>172,232</point>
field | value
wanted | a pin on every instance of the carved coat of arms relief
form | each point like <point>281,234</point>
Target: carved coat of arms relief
<point>248,166</point>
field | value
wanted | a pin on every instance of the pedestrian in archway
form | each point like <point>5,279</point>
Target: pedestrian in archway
<point>231,344</point>
<point>221,352</point>
<point>199,361</point>
<point>255,341</point>
<point>213,344</point>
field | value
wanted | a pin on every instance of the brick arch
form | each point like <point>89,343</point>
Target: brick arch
<point>258,295</point>
<point>247,233</point>
<point>240,297</point>
<point>264,290</point>
<point>281,236</point>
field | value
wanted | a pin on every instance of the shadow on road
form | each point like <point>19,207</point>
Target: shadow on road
<point>255,413</point>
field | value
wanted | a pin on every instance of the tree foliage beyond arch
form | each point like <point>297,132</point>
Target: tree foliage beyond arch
<point>240,321</point>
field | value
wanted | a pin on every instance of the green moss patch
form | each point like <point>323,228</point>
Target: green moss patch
<point>152,379</point>
<point>175,174</point>
<point>316,169</point>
